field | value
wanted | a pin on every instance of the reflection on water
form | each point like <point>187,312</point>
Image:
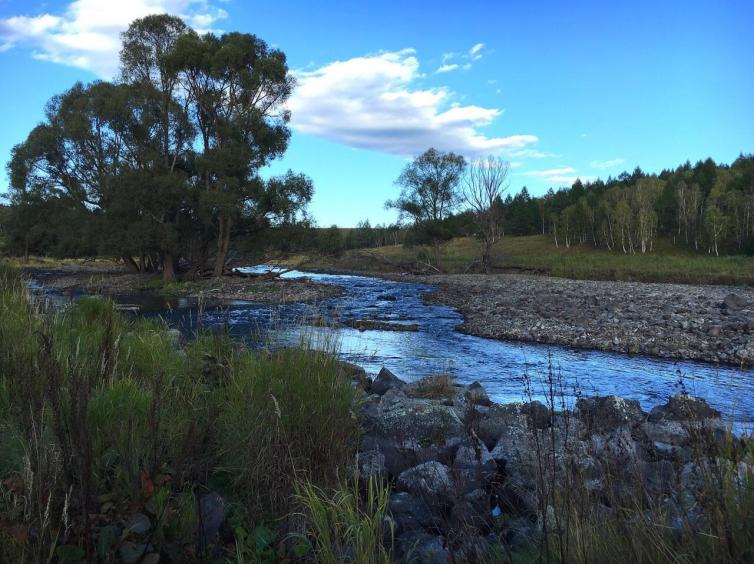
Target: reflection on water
<point>437,348</point>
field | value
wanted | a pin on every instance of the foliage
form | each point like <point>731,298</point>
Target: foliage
<point>102,417</point>
<point>156,167</point>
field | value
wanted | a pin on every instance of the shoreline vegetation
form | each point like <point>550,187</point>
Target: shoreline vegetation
<point>123,445</point>
<point>534,254</point>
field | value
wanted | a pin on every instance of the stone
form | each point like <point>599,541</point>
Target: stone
<point>684,407</point>
<point>606,413</point>
<point>426,421</point>
<point>498,420</point>
<point>138,523</point>
<point>475,394</point>
<point>734,302</point>
<point>175,337</point>
<point>385,381</point>
<point>131,552</point>
<point>371,464</point>
<point>411,513</point>
<point>418,547</point>
<point>430,482</point>
<point>213,509</point>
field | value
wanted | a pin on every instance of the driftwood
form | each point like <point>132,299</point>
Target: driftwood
<point>269,275</point>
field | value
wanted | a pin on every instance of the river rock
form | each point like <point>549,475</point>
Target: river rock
<point>425,421</point>
<point>431,482</point>
<point>411,513</point>
<point>499,420</point>
<point>734,302</point>
<point>213,508</point>
<point>683,407</point>
<point>385,381</point>
<point>419,547</point>
<point>606,413</point>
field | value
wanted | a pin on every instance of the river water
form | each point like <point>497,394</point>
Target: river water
<point>505,369</point>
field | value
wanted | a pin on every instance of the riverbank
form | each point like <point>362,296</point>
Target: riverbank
<point>690,322</point>
<point>113,280</point>
<point>537,254</point>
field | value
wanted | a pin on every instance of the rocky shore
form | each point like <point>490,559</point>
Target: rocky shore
<point>470,476</point>
<point>690,322</point>
<point>111,281</point>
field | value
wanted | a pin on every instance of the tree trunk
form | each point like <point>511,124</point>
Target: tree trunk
<point>223,245</point>
<point>438,259</point>
<point>168,267</point>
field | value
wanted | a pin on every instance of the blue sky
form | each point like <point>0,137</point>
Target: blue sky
<point>560,89</point>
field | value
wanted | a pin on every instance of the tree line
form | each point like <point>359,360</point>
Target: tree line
<point>161,167</point>
<point>706,207</point>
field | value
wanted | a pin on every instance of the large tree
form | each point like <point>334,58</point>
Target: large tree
<point>485,183</point>
<point>430,193</point>
<point>236,88</point>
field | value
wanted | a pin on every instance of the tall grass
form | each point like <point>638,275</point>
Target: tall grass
<point>101,417</point>
<point>345,526</point>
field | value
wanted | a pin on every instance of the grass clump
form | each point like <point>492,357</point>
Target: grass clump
<point>345,526</point>
<point>438,386</point>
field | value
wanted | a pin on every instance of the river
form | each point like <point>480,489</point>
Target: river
<point>505,369</point>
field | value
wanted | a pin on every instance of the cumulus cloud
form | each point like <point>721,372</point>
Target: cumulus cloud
<point>610,163</point>
<point>87,34</point>
<point>373,102</point>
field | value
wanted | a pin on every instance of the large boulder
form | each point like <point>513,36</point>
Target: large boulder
<point>426,421</point>
<point>430,482</point>
<point>411,513</point>
<point>683,407</point>
<point>512,417</point>
<point>385,381</point>
<point>607,413</point>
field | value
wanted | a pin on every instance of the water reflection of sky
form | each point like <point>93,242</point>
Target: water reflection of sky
<point>436,348</point>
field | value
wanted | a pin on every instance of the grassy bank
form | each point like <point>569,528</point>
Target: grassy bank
<point>116,443</point>
<point>537,254</point>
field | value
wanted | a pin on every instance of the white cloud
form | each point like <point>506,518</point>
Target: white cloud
<point>87,34</point>
<point>607,164</point>
<point>561,176</point>
<point>447,68</point>
<point>550,172</point>
<point>568,180</point>
<point>372,102</point>
<point>476,51</point>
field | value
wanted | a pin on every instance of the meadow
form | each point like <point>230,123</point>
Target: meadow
<point>537,255</point>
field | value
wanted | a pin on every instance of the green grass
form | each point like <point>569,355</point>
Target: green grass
<point>537,254</point>
<point>104,416</point>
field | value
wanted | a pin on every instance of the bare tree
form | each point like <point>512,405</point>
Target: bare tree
<point>484,185</point>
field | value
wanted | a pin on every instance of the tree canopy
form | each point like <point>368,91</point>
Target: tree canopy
<point>166,161</point>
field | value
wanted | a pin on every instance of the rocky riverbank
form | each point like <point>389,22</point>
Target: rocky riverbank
<point>472,478</point>
<point>690,322</point>
<point>112,281</point>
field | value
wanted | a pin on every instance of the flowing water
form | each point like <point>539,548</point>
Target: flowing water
<point>503,368</point>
